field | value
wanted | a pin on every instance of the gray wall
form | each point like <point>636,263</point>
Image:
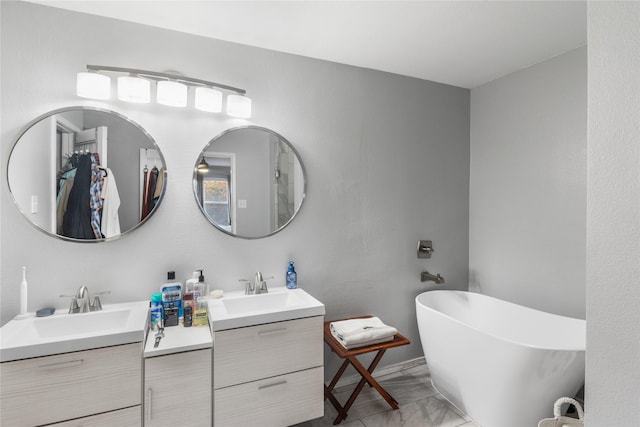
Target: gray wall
<point>387,159</point>
<point>527,225</point>
<point>613,216</point>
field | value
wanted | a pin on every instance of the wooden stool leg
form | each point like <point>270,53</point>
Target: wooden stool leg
<point>328,391</point>
<point>366,378</point>
<point>329,395</point>
<point>373,383</point>
<point>338,374</point>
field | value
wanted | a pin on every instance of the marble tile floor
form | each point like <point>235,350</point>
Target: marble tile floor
<point>410,384</point>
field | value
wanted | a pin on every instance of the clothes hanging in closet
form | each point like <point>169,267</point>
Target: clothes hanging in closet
<point>152,189</point>
<point>76,222</point>
<point>81,200</point>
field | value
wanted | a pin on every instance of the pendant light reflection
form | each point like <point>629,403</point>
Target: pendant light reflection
<point>203,166</point>
<point>93,85</point>
<point>134,89</point>
<point>171,93</point>
<point>239,106</point>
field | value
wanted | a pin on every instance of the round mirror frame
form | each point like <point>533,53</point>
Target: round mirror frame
<point>33,122</point>
<point>281,138</point>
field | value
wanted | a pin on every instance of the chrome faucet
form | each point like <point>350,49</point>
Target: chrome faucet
<point>249,288</point>
<point>259,284</point>
<point>81,302</point>
<point>425,276</point>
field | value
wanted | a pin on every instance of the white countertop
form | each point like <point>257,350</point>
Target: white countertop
<point>32,336</point>
<point>178,339</point>
<point>237,310</point>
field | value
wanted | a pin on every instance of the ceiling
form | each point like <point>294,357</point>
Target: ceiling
<point>461,43</point>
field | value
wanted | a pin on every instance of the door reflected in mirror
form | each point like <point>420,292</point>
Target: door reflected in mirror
<point>85,174</point>
<point>249,182</point>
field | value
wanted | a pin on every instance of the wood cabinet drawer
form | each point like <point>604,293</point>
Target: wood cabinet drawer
<point>178,389</point>
<point>278,401</point>
<point>247,354</point>
<point>128,417</point>
<point>56,388</point>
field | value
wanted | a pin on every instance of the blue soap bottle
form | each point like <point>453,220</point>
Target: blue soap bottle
<point>292,277</point>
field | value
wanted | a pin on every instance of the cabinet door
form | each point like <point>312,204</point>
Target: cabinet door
<point>178,389</point>
<point>129,417</point>
<point>252,353</point>
<point>56,388</point>
<point>272,402</point>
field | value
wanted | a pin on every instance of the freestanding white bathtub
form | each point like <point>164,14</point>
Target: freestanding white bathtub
<point>503,364</point>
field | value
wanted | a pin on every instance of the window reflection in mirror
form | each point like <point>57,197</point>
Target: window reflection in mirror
<point>249,182</point>
<point>85,174</point>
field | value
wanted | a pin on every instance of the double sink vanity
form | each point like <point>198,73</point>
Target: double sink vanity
<point>260,362</point>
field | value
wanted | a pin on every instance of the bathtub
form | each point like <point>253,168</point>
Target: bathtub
<point>503,364</point>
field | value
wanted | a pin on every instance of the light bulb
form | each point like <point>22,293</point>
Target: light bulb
<point>134,89</point>
<point>172,93</point>
<point>239,106</point>
<point>93,85</point>
<point>208,99</point>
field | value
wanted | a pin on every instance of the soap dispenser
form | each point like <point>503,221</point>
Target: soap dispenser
<point>292,277</point>
<point>200,289</point>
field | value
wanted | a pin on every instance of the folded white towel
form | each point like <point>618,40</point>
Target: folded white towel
<point>354,333</point>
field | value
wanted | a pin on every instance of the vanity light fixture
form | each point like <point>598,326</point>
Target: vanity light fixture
<point>171,93</point>
<point>239,106</point>
<point>93,85</point>
<point>134,89</point>
<point>208,99</point>
<point>171,89</point>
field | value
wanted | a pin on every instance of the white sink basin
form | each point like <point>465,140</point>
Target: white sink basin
<point>61,333</point>
<point>263,302</point>
<point>237,310</point>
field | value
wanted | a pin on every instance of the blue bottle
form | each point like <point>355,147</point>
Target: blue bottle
<point>292,277</point>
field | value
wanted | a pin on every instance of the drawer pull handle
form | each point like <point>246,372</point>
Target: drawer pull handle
<point>271,332</point>
<point>63,365</point>
<point>272,385</point>
<point>148,404</point>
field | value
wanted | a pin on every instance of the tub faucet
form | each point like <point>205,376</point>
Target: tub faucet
<point>425,276</point>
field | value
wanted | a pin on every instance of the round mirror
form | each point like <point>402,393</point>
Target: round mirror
<point>249,182</point>
<point>85,174</point>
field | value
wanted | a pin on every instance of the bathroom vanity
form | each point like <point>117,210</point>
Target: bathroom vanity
<point>177,377</point>
<point>270,374</point>
<point>73,369</point>
<point>260,362</point>
<point>61,387</point>
<point>267,358</point>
